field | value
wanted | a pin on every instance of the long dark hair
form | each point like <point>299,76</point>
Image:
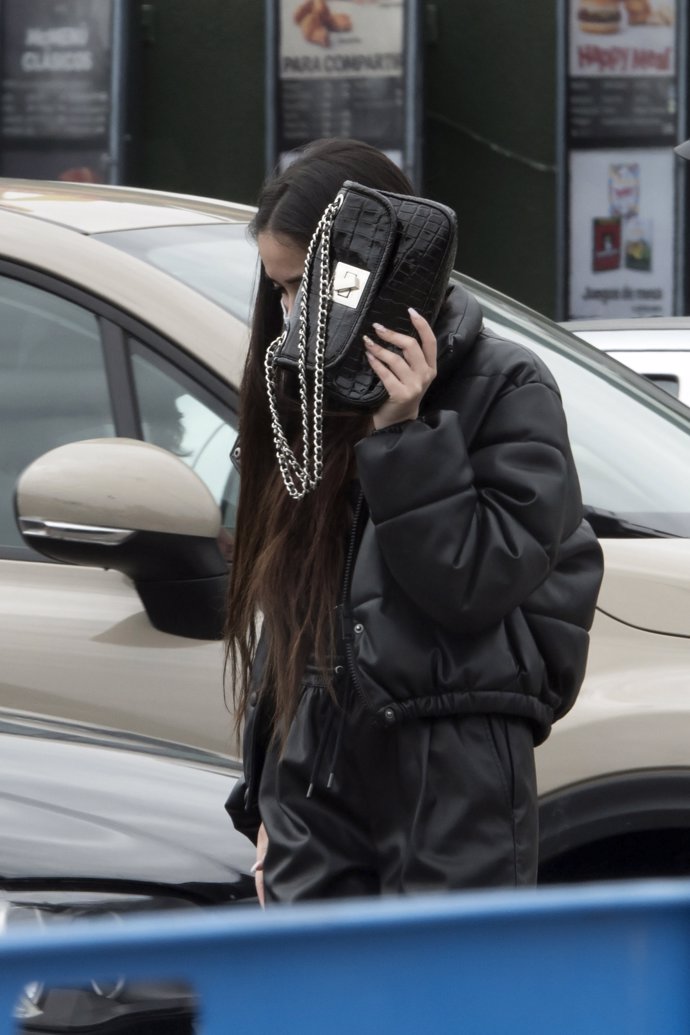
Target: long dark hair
<point>288,556</point>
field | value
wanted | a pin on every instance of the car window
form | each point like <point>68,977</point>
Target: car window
<point>179,415</point>
<point>632,454</point>
<point>219,260</point>
<point>53,385</point>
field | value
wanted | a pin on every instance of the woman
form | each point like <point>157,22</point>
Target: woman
<point>425,609</point>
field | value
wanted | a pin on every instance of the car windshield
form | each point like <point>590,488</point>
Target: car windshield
<point>631,449</point>
<point>216,259</point>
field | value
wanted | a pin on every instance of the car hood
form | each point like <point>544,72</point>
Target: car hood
<point>76,811</point>
<point>647,584</point>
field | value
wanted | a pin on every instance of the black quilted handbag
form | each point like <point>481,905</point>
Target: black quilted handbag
<point>373,255</point>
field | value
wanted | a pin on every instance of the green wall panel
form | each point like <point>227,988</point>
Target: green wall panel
<point>200,104</point>
<point>489,149</point>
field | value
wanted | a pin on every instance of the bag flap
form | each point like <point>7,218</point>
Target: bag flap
<point>362,239</point>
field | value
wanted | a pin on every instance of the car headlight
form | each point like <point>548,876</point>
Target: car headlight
<point>99,1006</point>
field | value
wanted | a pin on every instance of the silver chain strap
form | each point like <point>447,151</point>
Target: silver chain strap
<point>302,476</point>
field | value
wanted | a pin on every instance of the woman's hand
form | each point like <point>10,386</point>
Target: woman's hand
<point>405,377</point>
<point>258,867</point>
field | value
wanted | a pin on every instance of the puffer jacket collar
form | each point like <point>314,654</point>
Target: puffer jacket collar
<point>457,327</point>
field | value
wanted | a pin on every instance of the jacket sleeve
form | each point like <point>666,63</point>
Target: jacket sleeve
<point>245,817</point>
<point>243,803</point>
<point>468,535</point>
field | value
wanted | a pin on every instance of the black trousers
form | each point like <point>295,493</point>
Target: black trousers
<point>434,804</point>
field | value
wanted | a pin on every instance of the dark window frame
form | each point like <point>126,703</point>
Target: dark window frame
<point>119,332</point>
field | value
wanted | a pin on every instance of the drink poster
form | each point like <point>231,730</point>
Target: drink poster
<point>622,233</point>
<point>340,70</point>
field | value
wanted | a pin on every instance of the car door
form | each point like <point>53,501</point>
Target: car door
<point>76,642</point>
<point>632,451</point>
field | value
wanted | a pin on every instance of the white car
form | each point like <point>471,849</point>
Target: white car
<point>657,347</point>
<point>122,338</point>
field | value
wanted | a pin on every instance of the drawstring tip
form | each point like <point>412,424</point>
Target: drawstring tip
<point>330,781</point>
<point>310,790</point>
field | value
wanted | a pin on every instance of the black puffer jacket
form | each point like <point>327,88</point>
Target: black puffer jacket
<point>474,581</point>
<point>476,578</point>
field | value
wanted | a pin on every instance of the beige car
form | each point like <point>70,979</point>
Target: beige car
<point>123,330</point>
<point>111,324</point>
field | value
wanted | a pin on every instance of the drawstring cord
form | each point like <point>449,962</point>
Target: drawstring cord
<point>320,751</point>
<point>339,736</point>
<point>325,738</point>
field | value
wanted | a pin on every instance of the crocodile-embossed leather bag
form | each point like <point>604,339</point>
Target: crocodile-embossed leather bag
<point>373,255</point>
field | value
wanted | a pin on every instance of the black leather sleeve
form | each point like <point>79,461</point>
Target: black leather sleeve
<point>470,535</point>
<point>243,803</point>
<point>246,820</point>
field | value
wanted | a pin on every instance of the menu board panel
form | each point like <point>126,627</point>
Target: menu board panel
<point>620,123</point>
<point>56,58</point>
<point>56,69</point>
<point>340,71</point>
<point>622,78</point>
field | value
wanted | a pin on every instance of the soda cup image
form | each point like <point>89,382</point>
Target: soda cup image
<point>624,189</point>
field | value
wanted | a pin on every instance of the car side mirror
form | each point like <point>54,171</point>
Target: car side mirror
<point>126,505</point>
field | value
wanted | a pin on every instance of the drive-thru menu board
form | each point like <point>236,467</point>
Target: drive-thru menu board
<point>338,68</point>
<point>56,62</point>
<point>621,122</point>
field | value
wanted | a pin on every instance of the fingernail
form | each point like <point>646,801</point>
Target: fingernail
<point>378,327</point>
<point>412,312</point>
<point>368,343</point>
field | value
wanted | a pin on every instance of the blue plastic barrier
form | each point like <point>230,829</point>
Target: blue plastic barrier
<point>599,959</point>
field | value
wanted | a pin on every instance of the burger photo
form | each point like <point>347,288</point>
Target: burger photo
<point>600,16</point>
